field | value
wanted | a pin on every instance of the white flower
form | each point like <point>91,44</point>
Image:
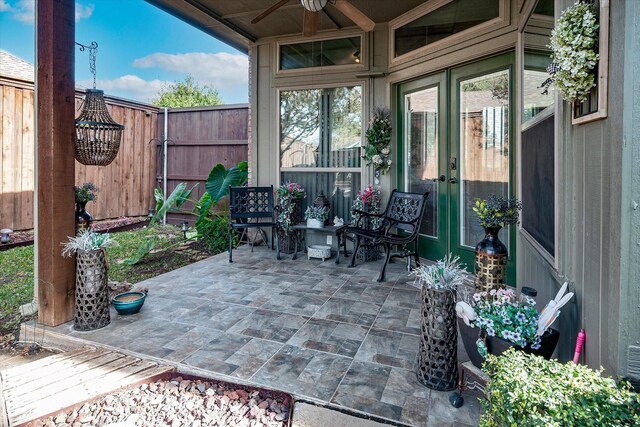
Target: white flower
<point>377,159</point>
<point>385,151</point>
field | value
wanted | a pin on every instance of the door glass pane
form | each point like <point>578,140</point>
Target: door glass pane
<point>484,148</point>
<point>421,123</point>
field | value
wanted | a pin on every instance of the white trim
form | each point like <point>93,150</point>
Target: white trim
<point>320,169</point>
<point>603,70</point>
<point>501,21</point>
<point>548,111</point>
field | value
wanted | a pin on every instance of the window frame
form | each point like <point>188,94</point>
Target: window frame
<point>346,34</point>
<point>279,168</point>
<point>501,21</point>
<point>553,260</point>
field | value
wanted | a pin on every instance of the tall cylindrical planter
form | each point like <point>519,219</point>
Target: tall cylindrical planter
<point>92,292</point>
<point>491,262</point>
<point>438,355</point>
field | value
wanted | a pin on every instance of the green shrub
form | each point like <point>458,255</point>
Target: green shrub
<point>213,234</point>
<point>526,390</point>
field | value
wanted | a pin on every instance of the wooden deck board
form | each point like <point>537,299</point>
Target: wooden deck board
<point>61,381</point>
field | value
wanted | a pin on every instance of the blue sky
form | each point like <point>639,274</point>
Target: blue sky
<point>140,48</point>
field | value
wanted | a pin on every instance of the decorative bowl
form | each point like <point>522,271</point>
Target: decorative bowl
<point>129,302</point>
<point>318,251</point>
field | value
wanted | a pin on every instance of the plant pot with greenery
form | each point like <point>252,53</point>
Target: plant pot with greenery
<point>316,216</point>
<point>288,213</point>
<point>438,354</point>
<point>367,200</point>
<point>83,195</point>
<point>491,254</point>
<point>498,320</point>
<point>92,291</point>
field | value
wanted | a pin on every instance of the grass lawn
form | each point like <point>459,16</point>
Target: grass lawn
<point>16,268</point>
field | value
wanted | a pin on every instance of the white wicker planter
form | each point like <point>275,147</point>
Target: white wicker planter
<point>318,251</point>
<point>315,223</point>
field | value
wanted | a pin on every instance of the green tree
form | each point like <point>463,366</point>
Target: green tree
<point>187,93</point>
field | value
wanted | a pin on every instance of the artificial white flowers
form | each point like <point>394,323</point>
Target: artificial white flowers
<point>574,43</point>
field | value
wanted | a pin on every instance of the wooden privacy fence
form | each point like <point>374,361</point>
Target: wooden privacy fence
<point>125,186</point>
<point>198,139</point>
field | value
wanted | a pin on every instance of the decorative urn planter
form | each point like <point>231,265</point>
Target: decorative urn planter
<point>92,291</point>
<point>490,262</point>
<point>83,218</point>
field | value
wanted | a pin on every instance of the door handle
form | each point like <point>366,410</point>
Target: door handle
<point>453,180</point>
<point>441,178</point>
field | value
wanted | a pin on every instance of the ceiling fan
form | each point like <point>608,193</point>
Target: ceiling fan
<point>313,7</point>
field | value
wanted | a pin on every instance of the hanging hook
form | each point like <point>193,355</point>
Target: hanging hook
<point>93,49</point>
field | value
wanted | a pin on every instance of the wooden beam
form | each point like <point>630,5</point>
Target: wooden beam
<point>55,93</point>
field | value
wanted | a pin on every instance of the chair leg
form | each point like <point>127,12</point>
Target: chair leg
<point>230,245</point>
<point>277,243</point>
<point>356,246</point>
<point>387,256</point>
<point>415,253</point>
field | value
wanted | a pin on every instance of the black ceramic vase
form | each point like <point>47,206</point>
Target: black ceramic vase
<point>83,218</point>
<point>491,261</point>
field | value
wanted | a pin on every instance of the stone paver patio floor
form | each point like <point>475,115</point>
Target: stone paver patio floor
<point>318,330</point>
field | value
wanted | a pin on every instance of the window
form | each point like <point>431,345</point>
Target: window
<point>320,140</point>
<point>321,53</point>
<point>537,137</point>
<point>452,18</point>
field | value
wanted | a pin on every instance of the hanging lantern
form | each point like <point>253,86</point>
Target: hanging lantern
<point>323,201</point>
<point>313,5</point>
<point>97,134</point>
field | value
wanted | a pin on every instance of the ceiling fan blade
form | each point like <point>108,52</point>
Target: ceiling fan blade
<point>269,11</point>
<point>310,21</point>
<point>354,14</point>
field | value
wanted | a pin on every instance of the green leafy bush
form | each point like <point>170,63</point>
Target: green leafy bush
<point>213,234</point>
<point>527,391</point>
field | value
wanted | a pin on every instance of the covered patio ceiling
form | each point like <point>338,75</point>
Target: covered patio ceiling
<point>230,21</point>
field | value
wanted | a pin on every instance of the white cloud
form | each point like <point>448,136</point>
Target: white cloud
<point>129,86</point>
<point>220,70</point>
<point>24,10</point>
<point>4,6</point>
<point>83,12</point>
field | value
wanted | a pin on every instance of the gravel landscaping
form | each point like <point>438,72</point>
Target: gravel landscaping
<point>181,402</point>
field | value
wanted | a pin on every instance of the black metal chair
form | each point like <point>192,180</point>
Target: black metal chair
<point>251,207</point>
<point>398,225</point>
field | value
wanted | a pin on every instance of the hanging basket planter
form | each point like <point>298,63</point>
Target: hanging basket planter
<point>97,134</point>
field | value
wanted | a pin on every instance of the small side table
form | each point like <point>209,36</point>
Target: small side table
<point>471,378</point>
<point>300,238</point>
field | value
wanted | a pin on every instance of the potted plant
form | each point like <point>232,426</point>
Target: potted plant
<point>438,355</point>
<point>84,194</point>
<point>378,135</point>
<point>367,200</point>
<point>288,212</point>
<point>491,254</point>
<point>315,216</point>
<point>92,292</point>
<point>497,320</point>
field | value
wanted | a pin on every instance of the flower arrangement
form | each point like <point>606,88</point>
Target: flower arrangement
<point>448,273</point>
<point>316,212</point>
<point>500,314</point>
<point>367,200</point>
<point>574,43</point>
<point>85,193</point>
<point>286,194</point>
<point>378,135</point>
<point>85,241</point>
<point>497,212</point>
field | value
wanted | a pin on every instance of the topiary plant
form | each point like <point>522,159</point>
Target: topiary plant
<point>526,391</point>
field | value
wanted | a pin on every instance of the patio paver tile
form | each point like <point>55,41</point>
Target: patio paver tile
<point>271,325</point>
<point>389,348</point>
<point>331,337</point>
<point>296,302</point>
<point>303,371</point>
<point>406,298</point>
<point>348,311</point>
<point>364,292</point>
<point>399,319</point>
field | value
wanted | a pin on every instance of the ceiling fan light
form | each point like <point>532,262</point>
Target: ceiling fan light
<point>313,5</point>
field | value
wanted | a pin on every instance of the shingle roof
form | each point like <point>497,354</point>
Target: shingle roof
<point>16,68</point>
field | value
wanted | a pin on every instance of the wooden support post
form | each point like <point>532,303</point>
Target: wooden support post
<point>55,93</point>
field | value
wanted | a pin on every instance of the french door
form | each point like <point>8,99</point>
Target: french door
<point>455,139</point>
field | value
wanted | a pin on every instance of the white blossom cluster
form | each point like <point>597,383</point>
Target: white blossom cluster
<point>574,42</point>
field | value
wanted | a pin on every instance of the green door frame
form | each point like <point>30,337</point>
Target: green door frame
<point>449,146</point>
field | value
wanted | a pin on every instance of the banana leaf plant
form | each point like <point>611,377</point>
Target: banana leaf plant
<point>217,188</point>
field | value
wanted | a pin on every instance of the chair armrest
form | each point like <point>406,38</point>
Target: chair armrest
<point>363,213</point>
